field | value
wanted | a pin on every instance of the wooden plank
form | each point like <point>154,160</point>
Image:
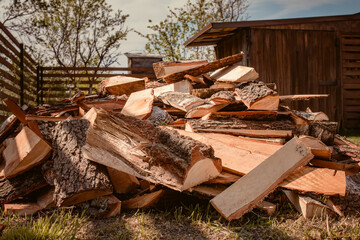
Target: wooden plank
<point>318,180</point>
<point>48,118</point>
<point>175,77</point>
<point>242,196</point>
<point>301,97</point>
<point>163,69</point>
<point>139,104</point>
<point>251,132</point>
<point>349,169</point>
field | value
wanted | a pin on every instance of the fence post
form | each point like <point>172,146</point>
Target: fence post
<point>21,74</point>
<point>38,85</point>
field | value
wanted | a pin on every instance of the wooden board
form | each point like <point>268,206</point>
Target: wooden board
<point>235,73</point>
<point>139,104</point>
<point>120,85</point>
<point>318,180</point>
<point>24,152</point>
<point>163,69</point>
<point>242,196</point>
<point>175,77</point>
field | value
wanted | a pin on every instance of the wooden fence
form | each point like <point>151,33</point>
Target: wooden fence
<point>18,73</point>
<point>25,82</point>
<point>58,83</point>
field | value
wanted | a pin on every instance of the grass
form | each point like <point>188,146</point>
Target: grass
<point>184,220</point>
<point>352,134</point>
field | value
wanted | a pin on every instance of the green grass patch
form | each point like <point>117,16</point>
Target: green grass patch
<point>352,134</point>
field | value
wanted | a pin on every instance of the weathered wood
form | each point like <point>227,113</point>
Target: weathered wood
<point>222,97</point>
<point>175,77</point>
<point>306,205</point>
<point>223,85</point>
<point>160,117</point>
<point>182,86</point>
<point>48,118</point>
<point>242,196</point>
<point>76,178</point>
<point>19,186</point>
<point>46,198</point>
<point>257,96</point>
<point>8,126</point>
<point>235,73</point>
<point>318,148</point>
<point>120,85</point>
<point>325,131</point>
<point>122,182</point>
<point>144,201</point>
<point>182,101</point>
<point>198,80</point>
<point>349,169</point>
<point>111,206</point>
<point>24,152</point>
<point>312,116</point>
<point>136,147</point>
<point>301,97</point>
<point>208,92</point>
<point>249,115</point>
<point>163,69</point>
<point>204,109</point>
<point>250,132</point>
<point>139,104</point>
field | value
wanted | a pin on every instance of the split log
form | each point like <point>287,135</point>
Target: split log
<point>242,196</point>
<point>312,116</point>
<point>198,80</point>
<point>48,118</point>
<point>163,69</point>
<point>223,85</point>
<point>144,201</point>
<point>139,104</point>
<point>205,68</point>
<point>76,178</point>
<point>349,169</point>
<point>182,86</point>
<point>46,198</point>
<point>307,206</point>
<point>19,186</point>
<point>222,97</point>
<point>235,73</point>
<point>122,182</point>
<point>157,155</point>
<point>109,104</point>
<point>318,148</point>
<point>257,96</point>
<point>20,114</point>
<point>24,152</point>
<point>249,115</point>
<point>325,131</point>
<point>182,101</point>
<point>160,117</point>
<point>120,85</point>
<point>224,178</point>
<point>204,109</point>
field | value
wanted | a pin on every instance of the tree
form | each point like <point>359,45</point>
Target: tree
<point>69,33</point>
<point>182,23</point>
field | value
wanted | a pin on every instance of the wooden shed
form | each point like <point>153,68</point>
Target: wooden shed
<point>301,55</point>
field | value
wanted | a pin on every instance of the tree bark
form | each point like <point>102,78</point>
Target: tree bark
<point>76,178</point>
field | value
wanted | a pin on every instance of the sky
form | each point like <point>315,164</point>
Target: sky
<point>141,11</point>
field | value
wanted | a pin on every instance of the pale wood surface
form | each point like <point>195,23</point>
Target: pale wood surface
<point>139,104</point>
<point>242,196</point>
<point>182,86</point>
<point>120,85</point>
<point>163,69</point>
<point>24,152</point>
<point>235,73</point>
<point>202,110</point>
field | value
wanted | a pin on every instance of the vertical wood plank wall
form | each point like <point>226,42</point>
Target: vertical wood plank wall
<point>298,61</point>
<point>350,56</point>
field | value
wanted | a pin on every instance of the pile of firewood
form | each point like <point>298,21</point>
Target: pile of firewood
<point>205,129</point>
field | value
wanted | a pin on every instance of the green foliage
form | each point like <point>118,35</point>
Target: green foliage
<point>59,225</point>
<point>182,23</point>
<point>71,33</point>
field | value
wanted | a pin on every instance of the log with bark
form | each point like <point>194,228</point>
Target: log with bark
<point>163,69</point>
<point>136,147</point>
<point>120,85</point>
<point>182,101</point>
<point>77,179</point>
<point>257,96</point>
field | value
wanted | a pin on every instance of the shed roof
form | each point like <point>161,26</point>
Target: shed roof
<point>215,32</point>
